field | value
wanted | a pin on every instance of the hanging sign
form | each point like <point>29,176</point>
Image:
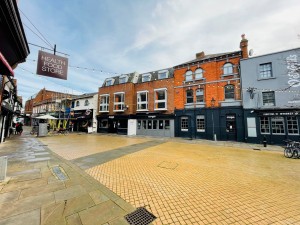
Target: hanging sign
<point>52,65</point>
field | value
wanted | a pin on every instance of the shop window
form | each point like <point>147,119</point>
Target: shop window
<point>264,125</point>
<point>292,125</point>
<point>160,124</point>
<point>119,101</point>
<point>189,76</point>
<point>160,99</point>
<point>200,120</point>
<point>277,125</point>
<point>189,96</point>
<point>104,103</point>
<point>167,124</point>
<point>139,124</point>
<point>142,100</point>
<point>229,92</point>
<point>227,69</point>
<point>103,124</point>
<point>184,123</point>
<point>144,124</point>
<point>265,71</point>
<point>198,74</point>
<point>199,95</point>
<point>268,98</point>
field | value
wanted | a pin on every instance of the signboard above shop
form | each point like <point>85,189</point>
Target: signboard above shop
<point>52,65</point>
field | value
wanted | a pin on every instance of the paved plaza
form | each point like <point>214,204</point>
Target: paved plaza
<point>190,182</point>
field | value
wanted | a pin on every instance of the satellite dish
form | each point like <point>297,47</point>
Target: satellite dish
<point>251,52</point>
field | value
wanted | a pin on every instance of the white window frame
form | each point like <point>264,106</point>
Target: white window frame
<point>199,119</point>
<point>163,72</point>
<point>189,75</point>
<point>278,125</point>
<point>140,103</point>
<point>227,93</point>
<point>265,71</point>
<point>145,76</point>
<point>121,104</point>
<point>265,99</point>
<point>156,101</point>
<point>197,74</point>
<point>227,69</point>
<point>202,94</point>
<point>292,125</point>
<point>184,128</point>
<point>123,77</point>
<point>105,105</point>
<point>86,102</point>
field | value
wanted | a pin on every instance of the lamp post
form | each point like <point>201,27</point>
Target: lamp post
<point>213,101</point>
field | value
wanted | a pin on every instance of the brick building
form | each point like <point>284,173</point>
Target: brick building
<point>139,104</point>
<point>207,96</point>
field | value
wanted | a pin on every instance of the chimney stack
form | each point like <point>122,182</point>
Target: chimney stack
<point>200,55</point>
<point>244,47</point>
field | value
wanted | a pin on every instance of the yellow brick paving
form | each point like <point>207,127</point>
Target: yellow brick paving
<point>185,183</point>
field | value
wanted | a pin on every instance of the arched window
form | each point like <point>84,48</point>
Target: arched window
<point>189,96</point>
<point>77,103</point>
<point>227,69</point>
<point>86,102</point>
<point>198,74</point>
<point>229,92</point>
<point>188,75</point>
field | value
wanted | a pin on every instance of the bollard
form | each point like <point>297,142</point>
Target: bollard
<point>265,141</point>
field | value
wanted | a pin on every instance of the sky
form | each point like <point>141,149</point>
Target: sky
<point>106,38</point>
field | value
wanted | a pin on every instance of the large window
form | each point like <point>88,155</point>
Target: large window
<point>200,122</point>
<point>119,101</point>
<point>229,92</point>
<point>277,125</point>
<point>189,96</point>
<point>198,74</point>
<point>264,125</point>
<point>160,99</point>
<point>227,69</point>
<point>265,70</point>
<point>268,98</point>
<point>103,124</point>
<point>184,123</point>
<point>142,100</point>
<point>199,95</point>
<point>292,125</point>
<point>188,75</point>
<point>104,103</point>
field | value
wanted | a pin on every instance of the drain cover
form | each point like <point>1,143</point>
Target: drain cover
<point>59,173</point>
<point>140,217</point>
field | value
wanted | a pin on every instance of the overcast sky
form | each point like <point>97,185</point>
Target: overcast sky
<point>123,36</point>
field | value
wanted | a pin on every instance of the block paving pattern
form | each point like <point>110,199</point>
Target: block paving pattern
<point>192,184</point>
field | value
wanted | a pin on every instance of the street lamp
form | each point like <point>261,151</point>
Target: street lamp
<point>212,103</point>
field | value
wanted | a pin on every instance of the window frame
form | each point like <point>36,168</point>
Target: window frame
<point>187,74</point>
<point>77,103</point>
<point>184,123</point>
<point>227,69</point>
<point>157,101</point>
<point>277,126</point>
<point>200,123</point>
<point>146,75</point>
<point>266,99</point>
<point>120,103</point>
<point>109,82</point>
<point>196,77</point>
<point>139,103</point>
<point>264,72</point>
<point>123,77</point>
<point>264,125</point>
<point>105,105</point>
<point>190,97</point>
<point>86,102</point>
<point>292,125</point>
<point>226,93</point>
<point>197,96</point>
<point>165,72</point>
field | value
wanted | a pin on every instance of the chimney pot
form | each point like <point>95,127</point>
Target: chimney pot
<point>200,55</point>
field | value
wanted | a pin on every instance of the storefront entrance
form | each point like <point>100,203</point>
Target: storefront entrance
<point>231,127</point>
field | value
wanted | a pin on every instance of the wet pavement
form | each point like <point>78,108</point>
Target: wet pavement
<point>179,181</point>
<point>191,181</point>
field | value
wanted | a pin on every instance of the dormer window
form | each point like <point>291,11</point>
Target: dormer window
<point>146,77</point>
<point>163,74</point>
<point>123,79</point>
<point>109,82</point>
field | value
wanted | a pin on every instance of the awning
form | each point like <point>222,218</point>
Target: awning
<point>5,68</point>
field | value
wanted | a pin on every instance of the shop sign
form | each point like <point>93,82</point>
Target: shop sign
<point>151,117</point>
<point>52,65</point>
<point>111,117</point>
<point>293,71</point>
<point>280,113</point>
<point>230,117</point>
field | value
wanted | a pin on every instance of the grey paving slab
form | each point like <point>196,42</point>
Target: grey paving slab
<point>74,219</point>
<point>9,196</point>
<point>68,193</point>
<point>103,157</point>
<point>98,197</point>
<point>38,159</point>
<point>23,184</point>
<point>30,218</point>
<point>33,191</point>
<point>101,213</point>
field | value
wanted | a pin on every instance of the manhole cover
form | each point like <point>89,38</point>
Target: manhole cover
<point>59,173</point>
<point>140,217</point>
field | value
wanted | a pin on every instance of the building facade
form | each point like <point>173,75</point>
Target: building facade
<point>271,96</point>
<point>207,96</point>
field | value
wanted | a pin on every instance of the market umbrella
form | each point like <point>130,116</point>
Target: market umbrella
<point>46,117</point>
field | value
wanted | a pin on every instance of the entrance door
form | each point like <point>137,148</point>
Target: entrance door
<point>112,126</point>
<point>231,127</point>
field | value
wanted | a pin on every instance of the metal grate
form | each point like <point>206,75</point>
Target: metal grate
<point>140,217</point>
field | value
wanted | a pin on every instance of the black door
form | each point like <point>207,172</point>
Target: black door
<point>112,126</point>
<point>231,127</point>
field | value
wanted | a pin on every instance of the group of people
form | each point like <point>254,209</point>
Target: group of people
<point>18,127</point>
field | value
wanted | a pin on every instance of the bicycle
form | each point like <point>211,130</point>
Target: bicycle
<point>292,149</point>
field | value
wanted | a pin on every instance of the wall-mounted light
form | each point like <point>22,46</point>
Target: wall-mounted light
<point>213,102</point>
